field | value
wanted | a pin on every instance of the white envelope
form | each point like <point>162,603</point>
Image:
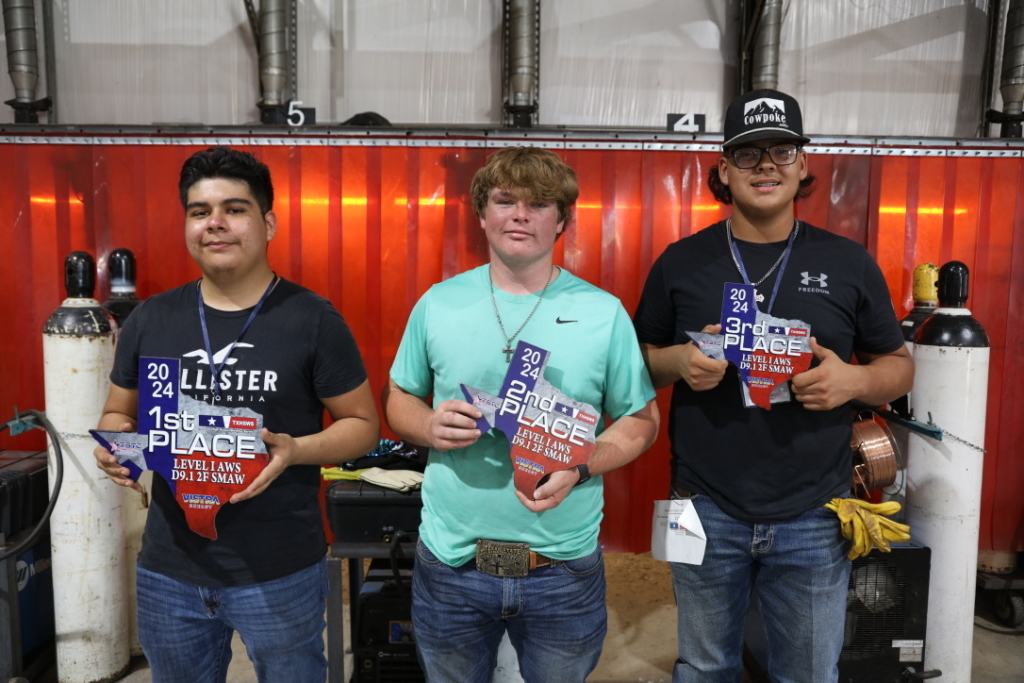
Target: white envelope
<point>676,532</point>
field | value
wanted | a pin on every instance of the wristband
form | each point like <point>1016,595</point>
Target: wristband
<point>584,475</point>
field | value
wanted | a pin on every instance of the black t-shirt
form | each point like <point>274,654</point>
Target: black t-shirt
<point>297,351</point>
<point>765,465</point>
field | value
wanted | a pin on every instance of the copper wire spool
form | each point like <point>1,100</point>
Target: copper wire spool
<point>874,455</point>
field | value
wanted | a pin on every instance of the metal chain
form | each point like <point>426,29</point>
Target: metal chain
<point>497,313</point>
<point>729,238</point>
<point>956,438</point>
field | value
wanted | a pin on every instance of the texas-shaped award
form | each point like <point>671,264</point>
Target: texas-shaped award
<point>547,431</point>
<point>205,452</point>
<point>766,351</point>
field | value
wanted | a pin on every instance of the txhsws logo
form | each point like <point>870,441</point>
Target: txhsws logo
<point>227,422</point>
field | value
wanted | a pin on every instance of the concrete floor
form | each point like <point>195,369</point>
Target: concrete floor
<point>998,658</point>
<point>641,641</point>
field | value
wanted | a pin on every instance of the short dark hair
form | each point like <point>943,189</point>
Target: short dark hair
<point>724,194</point>
<point>233,164</point>
<point>530,173</point>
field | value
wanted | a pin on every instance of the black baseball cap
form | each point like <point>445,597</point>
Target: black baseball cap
<point>763,115</point>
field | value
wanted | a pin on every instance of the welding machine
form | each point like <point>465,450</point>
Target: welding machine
<point>384,644</point>
<point>26,583</point>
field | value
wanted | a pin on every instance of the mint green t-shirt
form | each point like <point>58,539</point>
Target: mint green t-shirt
<point>453,337</point>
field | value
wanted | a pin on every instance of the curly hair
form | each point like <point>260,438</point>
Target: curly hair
<point>528,173</point>
<point>724,194</point>
<point>233,164</point>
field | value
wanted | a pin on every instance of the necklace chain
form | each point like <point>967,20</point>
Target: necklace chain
<point>732,251</point>
<point>508,350</point>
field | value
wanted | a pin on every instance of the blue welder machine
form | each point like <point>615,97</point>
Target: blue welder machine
<point>27,646</point>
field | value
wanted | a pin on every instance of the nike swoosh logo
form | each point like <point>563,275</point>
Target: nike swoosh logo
<point>562,322</point>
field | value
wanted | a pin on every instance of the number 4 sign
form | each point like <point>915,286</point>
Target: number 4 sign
<point>686,123</point>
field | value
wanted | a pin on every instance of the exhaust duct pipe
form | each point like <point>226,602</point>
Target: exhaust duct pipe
<point>765,62</point>
<point>23,59</point>
<point>1011,83</point>
<point>273,50</point>
<point>522,61</point>
<point>22,56</point>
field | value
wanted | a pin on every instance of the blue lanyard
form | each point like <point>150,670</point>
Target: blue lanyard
<point>230,349</point>
<point>782,266</point>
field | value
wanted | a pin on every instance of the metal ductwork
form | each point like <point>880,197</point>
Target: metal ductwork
<point>522,61</point>
<point>765,62</point>
<point>23,59</point>
<point>273,30</point>
<point>273,51</point>
<point>1011,82</point>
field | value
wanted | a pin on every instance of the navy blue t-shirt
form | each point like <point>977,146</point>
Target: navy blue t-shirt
<point>765,465</point>
<point>297,351</point>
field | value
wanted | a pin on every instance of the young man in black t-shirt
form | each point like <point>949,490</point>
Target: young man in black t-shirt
<point>758,478</point>
<point>265,574</point>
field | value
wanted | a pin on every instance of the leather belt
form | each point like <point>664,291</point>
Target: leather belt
<point>511,560</point>
<point>681,493</point>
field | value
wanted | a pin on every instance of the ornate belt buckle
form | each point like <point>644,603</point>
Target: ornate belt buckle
<point>502,559</point>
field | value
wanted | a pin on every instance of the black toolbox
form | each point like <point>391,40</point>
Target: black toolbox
<point>360,512</point>
<point>23,490</point>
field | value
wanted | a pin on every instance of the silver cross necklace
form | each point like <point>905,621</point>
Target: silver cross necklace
<point>508,350</point>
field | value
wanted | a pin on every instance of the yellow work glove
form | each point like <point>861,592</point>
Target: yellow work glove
<point>864,525</point>
<point>335,473</point>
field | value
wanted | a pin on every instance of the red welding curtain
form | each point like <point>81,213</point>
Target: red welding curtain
<point>371,226</point>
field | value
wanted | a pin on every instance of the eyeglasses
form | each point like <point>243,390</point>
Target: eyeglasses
<point>749,157</point>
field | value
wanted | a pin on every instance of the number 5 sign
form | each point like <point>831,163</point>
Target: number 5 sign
<point>300,116</point>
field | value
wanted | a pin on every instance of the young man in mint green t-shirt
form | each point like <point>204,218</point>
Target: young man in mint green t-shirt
<point>459,332</point>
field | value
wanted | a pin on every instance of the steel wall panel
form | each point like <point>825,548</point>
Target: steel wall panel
<point>372,224</point>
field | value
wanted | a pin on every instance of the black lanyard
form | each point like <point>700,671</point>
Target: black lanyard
<point>782,266</point>
<point>230,349</point>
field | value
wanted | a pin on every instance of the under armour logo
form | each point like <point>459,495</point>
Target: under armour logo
<point>807,279</point>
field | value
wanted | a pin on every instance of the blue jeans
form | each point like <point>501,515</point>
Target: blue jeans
<point>555,617</point>
<point>799,572</point>
<point>186,630</point>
